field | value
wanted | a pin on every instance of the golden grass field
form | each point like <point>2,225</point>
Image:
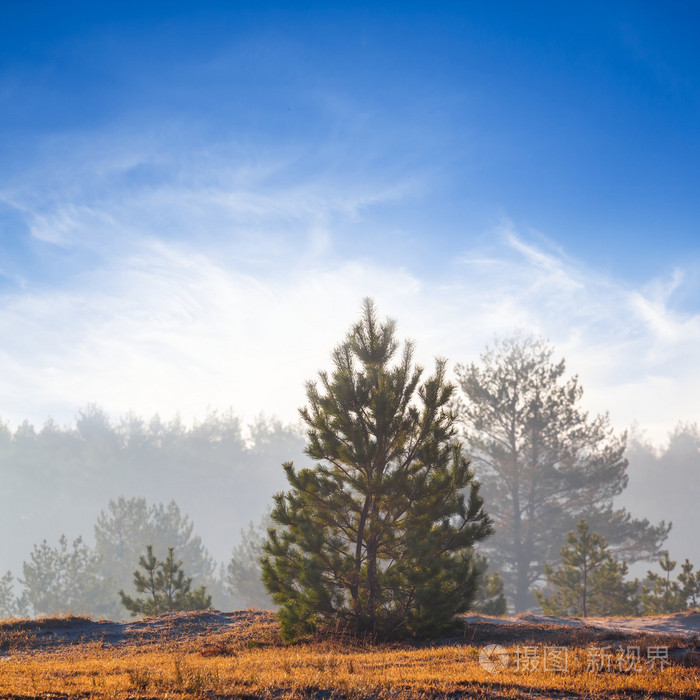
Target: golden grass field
<point>237,655</point>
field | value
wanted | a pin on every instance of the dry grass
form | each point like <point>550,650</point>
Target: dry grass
<point>248,660</point>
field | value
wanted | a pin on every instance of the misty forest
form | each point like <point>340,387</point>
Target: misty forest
<point>101,511</point>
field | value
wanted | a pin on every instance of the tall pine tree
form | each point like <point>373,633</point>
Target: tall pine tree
<point>544,463</point>
<point>378,536</point>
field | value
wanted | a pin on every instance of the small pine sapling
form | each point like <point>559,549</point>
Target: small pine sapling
<point>166,587</point>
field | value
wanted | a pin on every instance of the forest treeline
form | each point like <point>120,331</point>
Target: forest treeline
<point>87,498</point>
<point>59,480</point>
<point>76,577</point>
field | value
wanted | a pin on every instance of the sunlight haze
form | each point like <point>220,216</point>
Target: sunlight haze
<point>196,198</point>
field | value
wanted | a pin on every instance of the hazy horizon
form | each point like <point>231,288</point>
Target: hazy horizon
<point>194,200</point>
<point>190,221</point>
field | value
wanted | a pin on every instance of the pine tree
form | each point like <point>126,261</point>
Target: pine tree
<point>61,579</point>
<point>611,594</point>
<point>10,604</point>
<point>128,525</point>
<point>543,462</point>
<point>588,581</point>
<point>377,537</point>
<point>661,595</point>
<point>244,571</point>
<point>7,596</point>
<point>166,587</point>
<point>490,598</point>
<point>690,584</point>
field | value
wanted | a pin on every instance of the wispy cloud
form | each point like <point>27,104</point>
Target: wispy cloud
<point>220,285</point>
<point>633,347</point>
<point>106,195</point>
<point>210,289</point>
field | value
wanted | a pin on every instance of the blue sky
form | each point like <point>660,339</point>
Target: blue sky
<point>193,201</point>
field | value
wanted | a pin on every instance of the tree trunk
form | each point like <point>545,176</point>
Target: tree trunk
<point>372,582</point>
<point>355,588</point>
<point>521,565</point>
<point>522,586</point>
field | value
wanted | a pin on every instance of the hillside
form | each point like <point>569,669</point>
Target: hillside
<point>240,654</point>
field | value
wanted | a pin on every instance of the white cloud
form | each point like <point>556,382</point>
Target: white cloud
<point>221,287</point>
<point>635,352</point>
<point>167,328</point>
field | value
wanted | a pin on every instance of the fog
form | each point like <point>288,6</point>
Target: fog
<point>222,474</point>
<point>58,479</point>
<point>194,200</point>
<point>664,484</point>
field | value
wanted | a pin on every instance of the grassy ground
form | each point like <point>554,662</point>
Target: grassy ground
<point>195,656</point>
